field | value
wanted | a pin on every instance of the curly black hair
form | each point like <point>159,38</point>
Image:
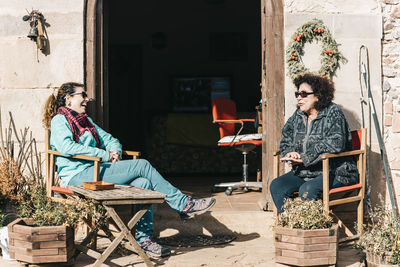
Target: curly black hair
<point>323,88</point>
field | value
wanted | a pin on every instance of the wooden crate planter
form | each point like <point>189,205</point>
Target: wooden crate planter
<point>374,260</point>
<point>40,244</point>
<point>306,247</point>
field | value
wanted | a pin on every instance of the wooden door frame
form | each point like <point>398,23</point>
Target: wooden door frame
<point>95,71</point>
<point>273,89</point>
<point>272,78</point>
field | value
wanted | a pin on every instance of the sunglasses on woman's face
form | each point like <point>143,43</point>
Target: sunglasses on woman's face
<point>303,94</point>
<point>84,94</point>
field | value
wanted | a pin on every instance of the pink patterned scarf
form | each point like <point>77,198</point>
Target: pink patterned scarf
<point>79,123</point>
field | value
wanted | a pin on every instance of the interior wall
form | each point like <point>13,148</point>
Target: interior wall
<point>187,26</point>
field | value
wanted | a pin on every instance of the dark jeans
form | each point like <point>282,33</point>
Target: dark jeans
<point>284,186</point>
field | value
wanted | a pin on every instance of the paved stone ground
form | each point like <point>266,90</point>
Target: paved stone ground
<point>245,251</point>
<point>239,213</point>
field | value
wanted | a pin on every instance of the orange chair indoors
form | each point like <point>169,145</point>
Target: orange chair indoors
<point>224,114</point>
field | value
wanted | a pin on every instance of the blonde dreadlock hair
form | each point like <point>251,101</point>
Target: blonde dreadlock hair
<point>54,102</point>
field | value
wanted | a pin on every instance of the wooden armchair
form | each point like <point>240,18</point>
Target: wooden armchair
<point>51,184</point>
<point>340,195</point>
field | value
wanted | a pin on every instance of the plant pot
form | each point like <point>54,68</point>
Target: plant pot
<point>40,244</point>
<point>306,247</point>
<point>374,260</point>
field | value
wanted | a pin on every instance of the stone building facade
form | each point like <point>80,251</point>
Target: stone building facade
<point>28,77</point>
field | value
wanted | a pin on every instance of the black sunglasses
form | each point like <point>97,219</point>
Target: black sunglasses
<point>303,94</point>
<point>84,94</point>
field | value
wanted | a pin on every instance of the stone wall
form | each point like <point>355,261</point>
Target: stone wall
<point>27,76</point>
<point>391,85</point>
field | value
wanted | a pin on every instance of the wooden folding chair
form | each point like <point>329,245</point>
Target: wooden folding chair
<point>53,184</point>
<point>359,152</point>
<point>359,138</point>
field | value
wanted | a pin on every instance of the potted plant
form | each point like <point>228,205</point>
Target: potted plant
<point>381,238</point>
<point>45,230</point>
<point>305,234</point>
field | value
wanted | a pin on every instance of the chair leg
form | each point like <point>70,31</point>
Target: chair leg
<point>245,167</point>
<point>360,216</point>
<point>230,186</point>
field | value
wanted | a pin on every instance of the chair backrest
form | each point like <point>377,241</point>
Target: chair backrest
<point>50,164</point>
<point>359,139</point>
<point>224,109</point>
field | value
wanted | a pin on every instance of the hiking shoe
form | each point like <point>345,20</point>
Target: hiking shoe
<point>196,207</point>
<point>154,249</point>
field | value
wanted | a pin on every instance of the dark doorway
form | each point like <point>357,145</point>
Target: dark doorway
<point>151,43</point>
<point>125,94</point>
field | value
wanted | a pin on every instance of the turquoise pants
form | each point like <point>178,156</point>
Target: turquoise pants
<point>139,173</point>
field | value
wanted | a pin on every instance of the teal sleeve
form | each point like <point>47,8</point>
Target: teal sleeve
<point>108,141</point>
<point>62,140</point>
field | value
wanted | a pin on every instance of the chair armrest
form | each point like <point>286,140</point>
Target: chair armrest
<point>342,154</point>
<point>56,153</point>
<point>275,169</point>
<point>234,121</point>
<point>134,154</point>
<point>131,153</point>
<point>228,121</point>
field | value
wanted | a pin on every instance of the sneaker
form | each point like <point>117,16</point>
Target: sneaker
<point>154,249</point>
<point>196,207</point>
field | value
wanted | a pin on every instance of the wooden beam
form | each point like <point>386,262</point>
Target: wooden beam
<point>90,53</point>
<point>94,61</point>
<point>273,85</point>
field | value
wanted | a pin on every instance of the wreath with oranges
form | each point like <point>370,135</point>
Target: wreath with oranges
<point>331,57</point>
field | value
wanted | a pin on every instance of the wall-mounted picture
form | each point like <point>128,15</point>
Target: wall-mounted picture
<point>196,93</point>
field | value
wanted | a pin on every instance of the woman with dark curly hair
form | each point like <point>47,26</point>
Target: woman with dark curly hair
<point>318,126</point>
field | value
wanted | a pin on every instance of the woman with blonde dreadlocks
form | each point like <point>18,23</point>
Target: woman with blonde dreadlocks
<point>73,133</point>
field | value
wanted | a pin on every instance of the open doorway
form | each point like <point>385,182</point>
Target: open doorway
<point>154,47</point>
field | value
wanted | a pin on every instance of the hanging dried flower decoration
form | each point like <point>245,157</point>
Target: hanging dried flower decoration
<point>330,54</point>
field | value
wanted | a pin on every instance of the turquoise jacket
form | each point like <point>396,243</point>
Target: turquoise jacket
<point>62,141</point>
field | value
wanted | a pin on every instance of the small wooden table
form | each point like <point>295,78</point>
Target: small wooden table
<point>120,195</point>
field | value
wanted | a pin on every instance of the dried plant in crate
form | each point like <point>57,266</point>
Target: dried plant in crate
<point>304,214</point>
<point>381,236</point>
<point>45,212</point>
